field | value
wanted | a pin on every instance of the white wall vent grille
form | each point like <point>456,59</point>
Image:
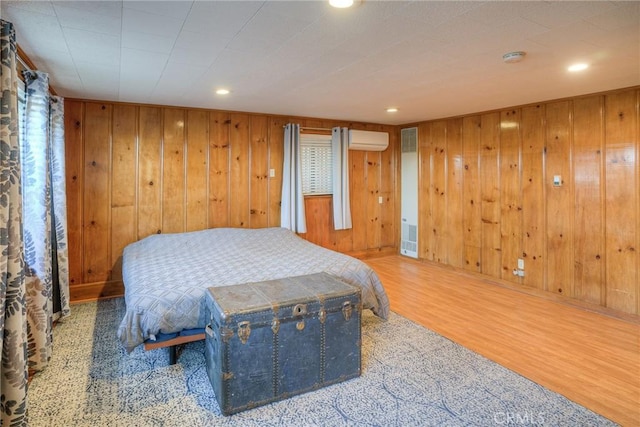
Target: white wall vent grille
<point>409,192</point>
<point>409,242</point>
<point>409,140</point>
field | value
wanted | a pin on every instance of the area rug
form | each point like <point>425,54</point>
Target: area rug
<point>411,377</point>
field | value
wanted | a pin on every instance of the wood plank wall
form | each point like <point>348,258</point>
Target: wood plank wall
<point>135,170</point>
<point>487,198</point>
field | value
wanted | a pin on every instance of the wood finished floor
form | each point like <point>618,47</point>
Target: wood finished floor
<point>591,358</point>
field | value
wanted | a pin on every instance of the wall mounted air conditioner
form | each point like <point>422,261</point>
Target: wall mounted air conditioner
<point>366,140</point>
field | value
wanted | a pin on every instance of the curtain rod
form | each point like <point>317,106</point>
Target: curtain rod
<point>28,65</point>
<point>24,64</point>
<point>310,128</point>
<point>24,59</point>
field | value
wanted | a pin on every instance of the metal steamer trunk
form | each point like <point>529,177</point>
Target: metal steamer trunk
<point>267,341</point>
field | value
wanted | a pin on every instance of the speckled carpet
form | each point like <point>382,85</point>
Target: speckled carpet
<point>411,376</point>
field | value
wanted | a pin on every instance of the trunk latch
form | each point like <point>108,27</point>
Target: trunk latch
<point>347,310</point>
<point>244,330</point>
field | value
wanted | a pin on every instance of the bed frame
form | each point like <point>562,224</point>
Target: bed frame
<point>173,343</point>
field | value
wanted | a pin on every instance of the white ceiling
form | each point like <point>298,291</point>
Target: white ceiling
<point>429,59</point>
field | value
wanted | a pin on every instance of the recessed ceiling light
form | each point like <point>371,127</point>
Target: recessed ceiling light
<point>392,110</point>
<point>341,4</point>
<point>222,91</point>
<point>578,67</point>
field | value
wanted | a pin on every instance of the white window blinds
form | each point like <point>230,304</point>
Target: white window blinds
<point>317,172</point>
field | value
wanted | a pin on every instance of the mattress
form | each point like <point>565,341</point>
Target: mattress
<point>166,275</point>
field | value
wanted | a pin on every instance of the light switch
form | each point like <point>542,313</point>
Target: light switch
<point>557,180</point>
<point>380,199</point>
<point>272,173</point>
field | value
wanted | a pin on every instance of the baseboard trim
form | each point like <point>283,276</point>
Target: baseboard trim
<point>373,253</point>
<point>86,292</point>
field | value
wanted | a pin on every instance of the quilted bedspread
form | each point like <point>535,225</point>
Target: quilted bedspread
<point>166,275</point>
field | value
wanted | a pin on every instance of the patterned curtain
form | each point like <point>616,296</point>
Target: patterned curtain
<point>13,317</point>
<point>42,189</point>
<point>340,157</point>
<point>292,211</point>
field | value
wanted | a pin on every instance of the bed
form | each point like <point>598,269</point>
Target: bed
<point>166,276</point>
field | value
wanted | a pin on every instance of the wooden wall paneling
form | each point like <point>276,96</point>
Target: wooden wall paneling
<point>124,160</point>
<point>173,171</point>
<point>276,159</point>
<point>559,198</point>
<point>74,167</point>
<point>183,162</point>
<point>454,190</point>
<point>373,182</point>
<point>239,144</point>
<point>310,123</point>
<point>533,196</point>
<point>510,194</point>
<point>358,193</point>
<point>490,193</point>
<point>219,166</point>
<point>471,198</point>
<point>388,183</point>
<point>587,158</point>
<point>197,170</point>
<point>318,208</point>
<point>621,124</point>
<point>372,164</point>
<point>439,210</point>
<point>96,203</point>
<point>615,197</point>
<point>425,222</point>
<point>149,172</point>
<point>259,152</point>
<point>342,240</point>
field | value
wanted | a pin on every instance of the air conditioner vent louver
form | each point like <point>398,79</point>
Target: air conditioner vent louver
<point>409,140</point>
<point>409,240</point>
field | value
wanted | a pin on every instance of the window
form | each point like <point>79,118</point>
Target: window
<point>317,173</point>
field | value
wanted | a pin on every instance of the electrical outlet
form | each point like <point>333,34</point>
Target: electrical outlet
<point>557,180</point>
<point>272,173</point>
<point>380,199</point>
